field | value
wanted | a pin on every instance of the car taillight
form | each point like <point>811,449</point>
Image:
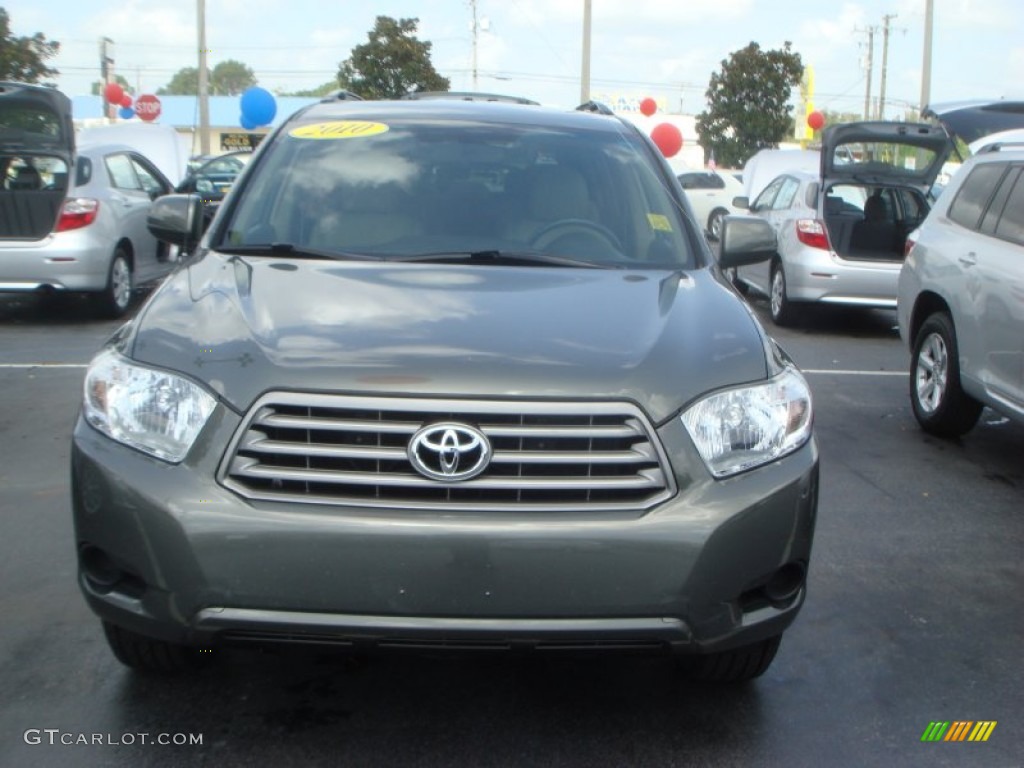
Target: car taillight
<point>812,232</point>
<point>77,212</point>
<point>907,246</point>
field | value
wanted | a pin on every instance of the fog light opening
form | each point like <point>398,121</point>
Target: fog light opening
<point>105,575</point>
<point>785,583</point>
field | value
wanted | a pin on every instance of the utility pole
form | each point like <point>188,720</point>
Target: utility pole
<point>585,68</point>
<point>106,75</point>
<point>204,95</point>
<point>871,72</point>
<point>885,62</point>
<point>926,66</point>
<point>472,6</point>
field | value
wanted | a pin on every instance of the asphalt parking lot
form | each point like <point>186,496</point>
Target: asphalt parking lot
<point>913,615</point>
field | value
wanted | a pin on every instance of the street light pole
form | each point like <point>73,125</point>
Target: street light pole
<point>926,65</point>
<point>204,96</point>
<point>585,69</point>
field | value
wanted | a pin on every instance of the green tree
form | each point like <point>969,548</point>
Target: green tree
<point>321,90</point>
<point>228,78</point>
<point>184,83</point>
<point>748,103</point>
<point>23,59</point>
<point>393,63</point>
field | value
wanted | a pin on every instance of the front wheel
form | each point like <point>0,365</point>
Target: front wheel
<point>113,300</point>
<point>735,666</point>
<point>940,405</point>
<point>715,223</point>
<point>783,310</point>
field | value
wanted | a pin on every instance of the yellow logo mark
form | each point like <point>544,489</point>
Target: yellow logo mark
<point>339,129</point>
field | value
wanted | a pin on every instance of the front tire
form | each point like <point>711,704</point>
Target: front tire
<point>940,405</point>
<point>148,655</point>
<point>113,301</point>
<point>736,666</point>
<point>783,311</point>
<point>715,223</point>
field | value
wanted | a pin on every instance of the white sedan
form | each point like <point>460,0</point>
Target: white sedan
<point>710,194</point>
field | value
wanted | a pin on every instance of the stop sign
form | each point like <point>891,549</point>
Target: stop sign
<point>147,107</point>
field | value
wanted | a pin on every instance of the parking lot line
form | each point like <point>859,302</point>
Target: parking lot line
<point>44,365</point>
<point>830,372</point>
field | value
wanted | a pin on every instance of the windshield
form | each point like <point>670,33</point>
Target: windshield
<point>892,159</point>
<point>417,188</point>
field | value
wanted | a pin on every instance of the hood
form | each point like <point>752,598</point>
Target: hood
<point>245,326</point>
<point>974,120</point>
<point>34,118</point>
<point>884,152</point>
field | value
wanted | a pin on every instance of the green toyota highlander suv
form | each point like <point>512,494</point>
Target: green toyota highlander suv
<point>448,373</point>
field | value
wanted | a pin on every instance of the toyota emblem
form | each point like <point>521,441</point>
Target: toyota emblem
<point>449,452</point>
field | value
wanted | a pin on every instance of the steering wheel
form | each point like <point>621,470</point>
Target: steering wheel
<point>556,230</point>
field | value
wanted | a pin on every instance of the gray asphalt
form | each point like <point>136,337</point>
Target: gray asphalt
<point>913,615</point>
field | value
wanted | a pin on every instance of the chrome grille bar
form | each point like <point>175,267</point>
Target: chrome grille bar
<point>346,450</point>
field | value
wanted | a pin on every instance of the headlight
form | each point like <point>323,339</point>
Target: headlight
<point>157,412</point>
<point>743,428</point>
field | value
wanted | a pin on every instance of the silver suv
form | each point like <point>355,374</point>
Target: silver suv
<point>961,296</point>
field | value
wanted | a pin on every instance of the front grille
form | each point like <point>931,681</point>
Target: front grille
<point>351,450</point>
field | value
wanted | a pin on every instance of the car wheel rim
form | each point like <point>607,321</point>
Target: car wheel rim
<point>716,226</point>
<point>778,293</point>
<point>932,373</point>
<point>121,282</point>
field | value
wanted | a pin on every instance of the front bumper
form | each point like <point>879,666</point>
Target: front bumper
<point>166,551</point>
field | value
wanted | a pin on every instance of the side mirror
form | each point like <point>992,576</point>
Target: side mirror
<point>177,219</point>
<point>746,240</point>
<point>741,202</point>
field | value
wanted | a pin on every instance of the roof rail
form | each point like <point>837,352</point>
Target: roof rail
<point>469,96</point>
<point>998,146</point>
<point>341,95</point>
<point>595,106</point>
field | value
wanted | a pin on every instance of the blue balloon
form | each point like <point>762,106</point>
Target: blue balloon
<point>258,106</point>
<point>246,122</point>
<point>126,113</point>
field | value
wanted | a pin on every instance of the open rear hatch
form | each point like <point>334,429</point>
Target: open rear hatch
<point>37,147</point>
<point>881,152</point>
<point>974,120</point>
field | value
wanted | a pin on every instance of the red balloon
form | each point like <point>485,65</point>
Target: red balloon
<point>815,120</point>
<point>126,100</point>
<point>113,93</point>
<point>668,138</point>
<point>648,106</point>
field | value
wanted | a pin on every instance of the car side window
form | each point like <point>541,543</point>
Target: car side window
<point>150,183</point>
<point>975,193</point>
<point>766,198</point>
<point>1011,223</point>
<point>786,194</point>
<point>122,173</point>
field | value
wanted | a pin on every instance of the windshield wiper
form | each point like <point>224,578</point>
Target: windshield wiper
<point>294,251</point>
<point>503,258</point>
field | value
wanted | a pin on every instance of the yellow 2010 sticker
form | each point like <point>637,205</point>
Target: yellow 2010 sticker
<point>659,222</point>
<point>339,129</point>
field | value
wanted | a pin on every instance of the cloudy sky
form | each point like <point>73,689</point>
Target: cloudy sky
<point>666,49</point>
